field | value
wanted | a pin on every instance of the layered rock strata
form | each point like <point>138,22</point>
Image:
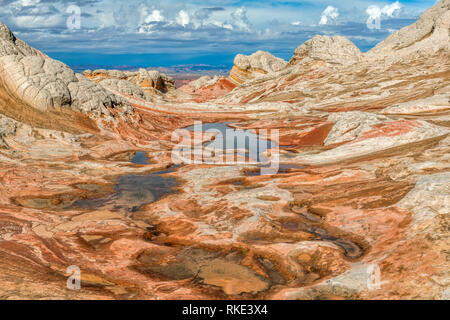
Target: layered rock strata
<point>42,86</point>
<point>144,84</point>
<point>359,208</point>
<point>255,65</point>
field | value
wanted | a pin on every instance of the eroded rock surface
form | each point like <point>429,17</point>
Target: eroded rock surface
<point>359,208</point>
<point>425,37</point>
<point>254,65</point>
<point>337,49</point>
<point>207,88</point>
<point>47,85</point>
<point>143,84</point>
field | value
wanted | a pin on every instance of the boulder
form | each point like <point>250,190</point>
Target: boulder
<point>7,127</point>
<point>258,64</point>
<point>334,50</point>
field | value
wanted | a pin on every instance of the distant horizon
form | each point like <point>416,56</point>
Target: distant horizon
<point>76,59</point>
<point>130,60</point>
<point>149,33</point>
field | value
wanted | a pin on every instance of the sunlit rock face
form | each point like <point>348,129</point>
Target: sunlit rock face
<point>143,84</point>
<point>258,64</point>
<point>206,88</point>
<point>358,208</point>
<point>49,86</point>
<point>427,36</point>
<point>337,50</point>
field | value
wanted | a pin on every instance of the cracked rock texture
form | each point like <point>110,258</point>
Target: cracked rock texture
<point>335,49</point>
<point>149,85</point>
<point>254,65</point>
<point>49,85</point>
<point>358,207</point>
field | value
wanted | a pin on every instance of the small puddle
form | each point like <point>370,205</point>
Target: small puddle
<point>140,158</point>
<point>131,192</point>
<point>207,269</point>
<point>350,248</point>
<point>236,139</point>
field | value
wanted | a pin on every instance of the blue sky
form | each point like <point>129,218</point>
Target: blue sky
<point>173,32</point>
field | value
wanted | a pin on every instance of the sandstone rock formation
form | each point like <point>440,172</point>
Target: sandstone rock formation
<point>425,37</point>
<point>203,82</point>
<point>358,209</point>
<point>206,88</point>
<point>123,86</point>
<point>143,84</point>
<point>47,85</point>
<point>7,127</point>
<point>255,65</point>
<point>336,50</point>
<point>351,125</point>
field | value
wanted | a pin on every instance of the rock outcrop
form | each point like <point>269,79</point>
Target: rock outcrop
<point>204,81</point>
<point>258,64</point>
<point>152,84</point>
<point>7,127</point>
<point>337,64</point>
<point>425,37</point>
<point>357,206</point>
<point>47,85</point>
<point>123,86</point>
<point>335,50</point>
<point>207,88</point>
<point>351,125</point>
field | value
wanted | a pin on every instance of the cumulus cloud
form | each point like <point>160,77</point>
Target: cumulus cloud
<point>390,10</point>
<point>154,16</point>
<point>201,16</point>
<point>172,26</point>
<point>183,18</point>
<point>328,15</point>
<point>240,20</point>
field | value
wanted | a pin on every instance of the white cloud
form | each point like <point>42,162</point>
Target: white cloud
<point>329,14</point>
<point>296,23</point>
<point>38,21</point>
<point>183,18</point>
<point>27,3</point>
<point>155,16</point>
<point>240,20</point>
<point>392,10</point>
<point>374,12</point>
<point>227,26</point>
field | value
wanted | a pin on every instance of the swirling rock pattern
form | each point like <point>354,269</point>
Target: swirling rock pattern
<point>337,49</point>
<point>49,85</point>
<point>143,84</point>
<point>359,208</point>
<point>249,67</point>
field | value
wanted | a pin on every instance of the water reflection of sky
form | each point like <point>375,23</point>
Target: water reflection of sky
<point>227,138</point>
